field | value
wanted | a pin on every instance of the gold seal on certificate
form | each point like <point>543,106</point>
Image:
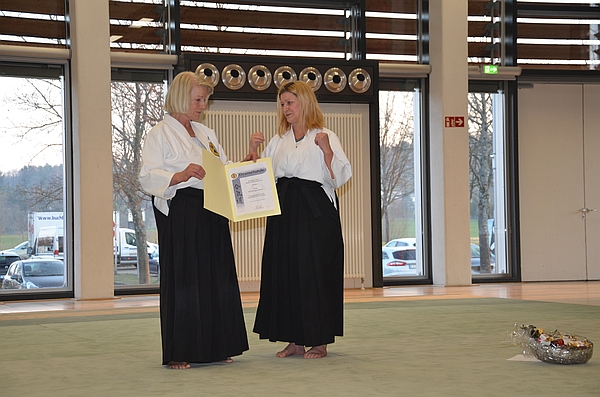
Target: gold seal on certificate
<point>240,191</point>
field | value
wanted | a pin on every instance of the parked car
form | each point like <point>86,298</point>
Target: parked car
<point>21,249</point>
<point>153,249</point>
<point>476,259</point>
<point>6,258</point>
<point>126,254</point>
<point>399,261</point>
<point>35,273</point>
<point>402,242</point>
<point>153,261</point>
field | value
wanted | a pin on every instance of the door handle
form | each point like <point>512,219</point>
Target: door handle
<point>585,210</point>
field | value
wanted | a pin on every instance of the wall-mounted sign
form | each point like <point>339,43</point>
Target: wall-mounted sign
<point>490,69</point>
<point>454,121</point>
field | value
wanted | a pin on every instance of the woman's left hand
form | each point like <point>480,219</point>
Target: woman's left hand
<point>322,141</point>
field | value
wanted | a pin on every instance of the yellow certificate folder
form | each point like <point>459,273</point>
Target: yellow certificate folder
<point>239,191</point>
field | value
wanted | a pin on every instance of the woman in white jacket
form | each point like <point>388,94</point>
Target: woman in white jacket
<point>301,293</point>
<point>200,306</point>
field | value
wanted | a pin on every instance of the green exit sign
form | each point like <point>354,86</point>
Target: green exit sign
<point>490,69</point>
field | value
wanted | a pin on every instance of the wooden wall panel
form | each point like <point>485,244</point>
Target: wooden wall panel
<point>49,7</point>
<point>397,47</point>
<point>527,51</point>
<point>259,19</point>
<point>33,28</point>
<point>259,41</point>
<point>398,6</point>
<point>393,26</point>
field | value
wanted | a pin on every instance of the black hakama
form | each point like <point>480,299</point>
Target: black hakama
<point>301,291</point>
<point>200,306</point>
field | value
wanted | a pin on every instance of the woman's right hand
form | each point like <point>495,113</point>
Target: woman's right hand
<point>192,170</point>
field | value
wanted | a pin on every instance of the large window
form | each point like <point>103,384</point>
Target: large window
<point>34,231</point>
<point>401,184</point>
<point>487,180</point>
<point>137,105</point>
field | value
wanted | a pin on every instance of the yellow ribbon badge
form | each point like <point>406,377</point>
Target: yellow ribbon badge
<point>213,149</point>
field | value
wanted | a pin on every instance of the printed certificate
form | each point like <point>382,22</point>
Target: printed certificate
<point>239,191</point>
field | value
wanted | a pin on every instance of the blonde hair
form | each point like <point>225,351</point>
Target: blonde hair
<point>179,94</point>
<point>311,115</point>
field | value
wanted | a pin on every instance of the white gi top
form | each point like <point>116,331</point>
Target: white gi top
<point>305,160</point>
<point>168,148</point>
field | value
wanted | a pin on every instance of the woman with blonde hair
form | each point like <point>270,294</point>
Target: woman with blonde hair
<point>301,292</point>
<point>200,307</point>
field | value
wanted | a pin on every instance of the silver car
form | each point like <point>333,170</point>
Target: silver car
<point>35,273</point>
<point>6,258</point>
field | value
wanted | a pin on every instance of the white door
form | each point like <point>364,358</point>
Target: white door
<point>591,128</point>
<point>559,175</point>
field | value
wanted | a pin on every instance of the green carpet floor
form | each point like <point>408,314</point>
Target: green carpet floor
<point>402,348</point>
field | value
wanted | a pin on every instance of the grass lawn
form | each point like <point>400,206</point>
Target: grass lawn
<point>132,279</point>
<point>406,228</point>
<point>11,240</point>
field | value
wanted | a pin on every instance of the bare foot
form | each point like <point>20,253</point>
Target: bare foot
<point>316,352</point>
<point>227,360</point>
<point>290,350</point>
<point>179,365</point>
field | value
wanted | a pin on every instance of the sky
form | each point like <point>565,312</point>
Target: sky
<point>17,152</point>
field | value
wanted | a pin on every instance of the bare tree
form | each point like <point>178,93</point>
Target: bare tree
<point>41,96</point>
<point>396,134</point>
<point>39,133</point>
<point>136,108</point>
<point>46,195</point>
<point>481,151</point>
<point>4,218</point>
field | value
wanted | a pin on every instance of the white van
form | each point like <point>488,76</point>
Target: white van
<point>125,247</point>
<point>49,243</point>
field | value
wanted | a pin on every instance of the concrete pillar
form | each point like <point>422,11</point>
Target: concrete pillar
<point>449,145</point>
<point>92,153</point>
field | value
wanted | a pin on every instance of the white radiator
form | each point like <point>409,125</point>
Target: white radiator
<point>234,130</point>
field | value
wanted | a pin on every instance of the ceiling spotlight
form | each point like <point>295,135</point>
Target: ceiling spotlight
<point>359,80</point>
<point>259,77</point>
<point>233,77</point>
<point>209,73</point>
<point>312,77</point>
<point>283,75</point>
<point>335,79</point>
